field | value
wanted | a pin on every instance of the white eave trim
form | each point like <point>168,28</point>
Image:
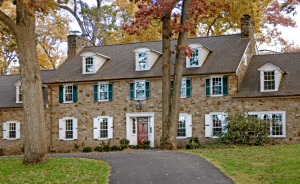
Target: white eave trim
<point>274,67</point>
<point>102,55</point>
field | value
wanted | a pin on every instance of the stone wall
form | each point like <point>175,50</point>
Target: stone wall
<point>76,43</point>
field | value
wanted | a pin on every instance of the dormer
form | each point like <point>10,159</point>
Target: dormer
<point>270,77</point>
<point>197,57</point>
<point>145,58</point>
<point>92,62</point>
<point>19,98</point>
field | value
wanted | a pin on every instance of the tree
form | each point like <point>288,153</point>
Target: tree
<point>177,17</point>
<point>33,107</point>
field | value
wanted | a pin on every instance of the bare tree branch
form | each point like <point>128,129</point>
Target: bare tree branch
<point>210,26</point>
<point>9,22</point>
<point>97,20</point>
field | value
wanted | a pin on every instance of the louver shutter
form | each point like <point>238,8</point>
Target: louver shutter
<point>110,127</point>
<point>110,91</point>
<point>96,92</point>
<point>207,86</point>
<point>188,87</point>
<point>147,89</point>
<point>18,130</point>
<point>225,85</point>
<point>189,126</point>
<point>61,94</point>
<point>208,125</point>
<point>74,93</point>
<point>75,128</point>
<point>131,92</point>
<point>96,128</point>
<point>5,131</point>
<point>61,129</point>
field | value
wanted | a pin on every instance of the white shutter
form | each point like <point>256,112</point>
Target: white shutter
<point>136,61</point>
<point>199,56</point>
<point>5,130</point>
<point>261,80</point>
<point>17,94</point>
<point>189,126</point>
<point>208,125</point>
<point>187,62</point>
<point>62,132</point>
<point>83,65</point>
<point>110,127</point>
<point>148,60</point>
<point>96,128</point>
<point>224,124</point>
<point>18,130</point>
<point>75,128</point>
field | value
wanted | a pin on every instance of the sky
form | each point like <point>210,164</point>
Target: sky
<point>292,34</point>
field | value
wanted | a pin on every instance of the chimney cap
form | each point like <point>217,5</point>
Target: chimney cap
<point>247,16</point>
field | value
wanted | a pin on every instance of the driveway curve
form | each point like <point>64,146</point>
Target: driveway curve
<point>152,166</point>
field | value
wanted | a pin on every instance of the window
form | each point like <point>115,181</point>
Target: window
<point>216,86</point>
<point>103,91</point>
<point>181,126</point>
<point>143,61</point>
<point>89,65</point>
<point>183,88</point>
<point>68,93</point>
<point>194,59</point>
<point>186,90</point>
<point>68,128</point>
<point>269,80</point>
<point>20,94</point>
<point>277,121</point>
<point>11,130</point>
<point>19,98</point>
<point>215,124</point>
<point>139,90</point>
<point>184,129</point>
<point>103,128</point>
<point>134,126</point>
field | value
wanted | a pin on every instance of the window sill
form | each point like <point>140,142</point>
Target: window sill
<point>103,100</point>
<point>12,139</point>
<point>141,99</point>
<point>269,90</point>
<point>193,66</point>
<point>88,73</point>
<point>276,136</point>
<point>142,70</point>
<point>216,95</point>
<point>182,137</point>
<point>19,102</point>
<point>103,139</point>
<point>67,139</point>
<point>68,102</point>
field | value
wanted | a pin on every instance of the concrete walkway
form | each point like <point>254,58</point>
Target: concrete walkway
<point>167,167</point>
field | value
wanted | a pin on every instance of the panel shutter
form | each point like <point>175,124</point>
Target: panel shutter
<point>188,87</point>
<point>96,128</point>
<point>131,90</point>
<point>189,126</point>
<point>74,93</point>
<point>75,128</point>
<point>207,86</point>
<point>18,130</point>
<point>61,94</point>
<point>95,92</point>
<point>62,129</point>
<point>110,127</point>
<point>225,85</point>
<point>110,91</point>
<point>5,131</point>
<point>147,89</point>
<point>208,125</point>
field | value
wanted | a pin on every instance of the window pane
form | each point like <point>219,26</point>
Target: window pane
<point>194,58</point>
<point>217,86</point>
<point>12,130</point>
<point>69,93</point>
<point>20,94</point>
<point>269,80</point>
<point>143,60</point>
<point>69,129</point>
<point>103,128</point>
<point>217,124</point>
<point>183,88</point>
<point>277,124</point>
<point>89,67</point>
<point>181,131</point>
<point>140,90</point>
<point>133,126</point>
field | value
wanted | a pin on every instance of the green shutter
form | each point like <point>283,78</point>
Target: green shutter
<point>207,86</point>
<point>74,93</point>
<point>188,87</point>
<point>147,89</point>
<point>171,87</point>
<point>61,94</point>
<point>96,92</point>
<point>110,91</point>
<point>131,92</point>
<point>225,85</point>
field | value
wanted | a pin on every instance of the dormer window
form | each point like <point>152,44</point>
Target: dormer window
<point>89,65</point>
<point>270,77</point>
<point>194,59</point>
<point>143,61</point>
<point>145,58</point>
<point>198,56</point>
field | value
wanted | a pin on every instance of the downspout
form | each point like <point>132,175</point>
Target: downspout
<point>51,119</point>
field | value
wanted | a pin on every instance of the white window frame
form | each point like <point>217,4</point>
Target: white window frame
<point>18,92</point>
<point>85,65</point>
<point>137,56</point>
<point>65,120</point>
<point>135,89</point>
<point>99,92</point>
<point>17,130</point>
<point>134,126</point>
<point>75,128</point>
<point>269,67</point>
<point>283,121</point>
<point>147,60</point>
<point>211,86</point>
<point>199,48</point>
<point>199,51</point>
<point>66,85</point>
<point>182,137</point>
<point>225,115</point>
<point>188,126</point>
<point>184,95</point>
<point>97,128</point>
<point>263,81</point>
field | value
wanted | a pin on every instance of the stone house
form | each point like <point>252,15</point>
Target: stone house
<point>108,93</point>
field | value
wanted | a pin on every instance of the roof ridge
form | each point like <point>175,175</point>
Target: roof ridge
<point>159,40</point>
<point>279,53</point>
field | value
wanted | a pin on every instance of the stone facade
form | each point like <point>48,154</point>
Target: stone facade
<point>197,105</point>
<point>76,43</point>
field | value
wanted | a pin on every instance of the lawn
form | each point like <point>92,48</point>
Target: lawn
<point>57,170</point>
<point>256,164</point>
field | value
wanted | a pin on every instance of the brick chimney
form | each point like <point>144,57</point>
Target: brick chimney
<point>247,27</point>
<point>76,43</point>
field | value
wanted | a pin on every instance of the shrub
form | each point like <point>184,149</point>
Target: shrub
<point>124,146</point>
<point>191,145</point>
<point>87,149</point>
<point>146,141</point>
<point>145,146</point>
<point>195,139</point>
<point>139,147</point>
<point>106,148</point>
<point>243,128</point>
<point>124,141</point>
<point>1,152</point>
<point>68,151</point>
<point>114,148</point>
<point>98,148</point>
<point>131,146</point>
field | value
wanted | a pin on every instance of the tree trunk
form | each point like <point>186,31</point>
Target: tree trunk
<point>33,105</point>
<point>166,77</point>
<point>171,130</point>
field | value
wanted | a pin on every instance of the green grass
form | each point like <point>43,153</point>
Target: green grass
<point>57,170</point>
<point>256,164</point>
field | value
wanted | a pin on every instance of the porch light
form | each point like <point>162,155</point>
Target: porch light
<point>138,105</point>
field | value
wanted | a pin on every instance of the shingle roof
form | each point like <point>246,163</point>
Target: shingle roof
<point>8,89</point>
<point>227,52</point>
<point>290,82</point>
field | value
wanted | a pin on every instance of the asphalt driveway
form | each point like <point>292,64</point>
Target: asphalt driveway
<point>168,167</point>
